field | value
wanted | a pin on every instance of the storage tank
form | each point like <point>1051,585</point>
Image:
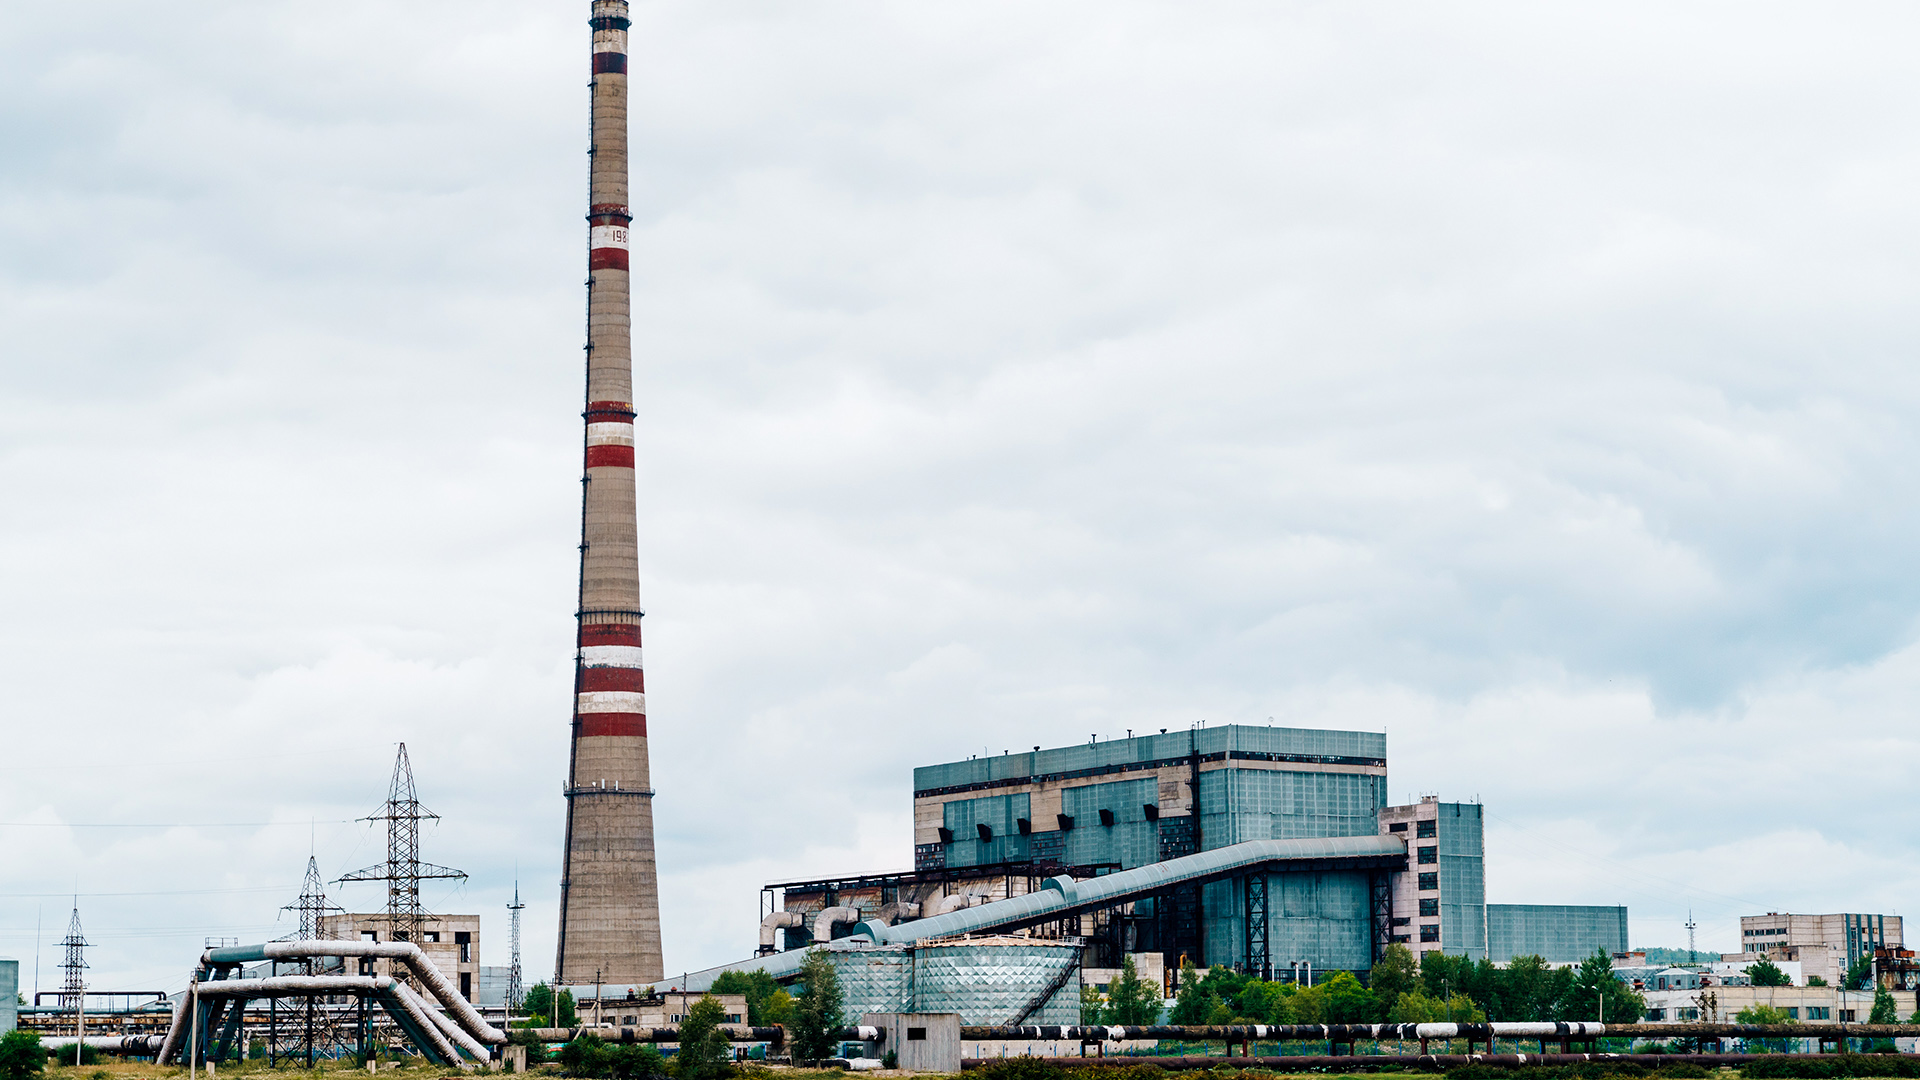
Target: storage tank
<point>994,980</point>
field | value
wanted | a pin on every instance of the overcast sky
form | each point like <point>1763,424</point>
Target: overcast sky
<point>1532,382</point>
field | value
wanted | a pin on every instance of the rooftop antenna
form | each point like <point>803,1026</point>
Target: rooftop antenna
<point>403,869</point>
<point>1690,929</point>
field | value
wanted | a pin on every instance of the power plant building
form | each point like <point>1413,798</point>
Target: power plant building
<point>999,827</point>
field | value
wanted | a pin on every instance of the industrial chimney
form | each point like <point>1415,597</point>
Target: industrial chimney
<point>609,892</point>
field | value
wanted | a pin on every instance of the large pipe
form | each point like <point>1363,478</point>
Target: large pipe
<point>1339,1033</point>
<point>824,923</point>
<point>421,1022</point>
<point>136,1045</point>
<point>957,901</point>
<point>776,1036</point>
<point>1061,895</point>
<point>777,921</point>
<point>403,951</point>
<point>1431,1062</point>
<point>893,913</point>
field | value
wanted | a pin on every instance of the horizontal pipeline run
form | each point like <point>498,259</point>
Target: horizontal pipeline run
<point>1304,1062</point>
<point>1339,1033</point>
<point>734,1033</point>
<point>775,1036</point>
<point>1576,1031</point>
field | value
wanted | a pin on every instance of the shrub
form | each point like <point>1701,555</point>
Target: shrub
<point>63,1055</point>
<point>21,1055</point>
<point>1027,1068</point>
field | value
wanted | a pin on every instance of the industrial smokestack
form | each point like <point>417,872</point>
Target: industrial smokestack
<point>609,891</point>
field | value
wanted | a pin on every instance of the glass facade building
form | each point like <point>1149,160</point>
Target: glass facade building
<point>1560,933</point>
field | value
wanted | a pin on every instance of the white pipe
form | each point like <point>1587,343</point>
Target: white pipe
<point>431,1025</point>
<point>474,1047</point>
<point>404,951</point>
<point>958,901</point>
<point>824,923</point>
<point>779,920</point>
<point>893,913</point>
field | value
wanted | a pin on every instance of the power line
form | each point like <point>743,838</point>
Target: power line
<point>158,824</point>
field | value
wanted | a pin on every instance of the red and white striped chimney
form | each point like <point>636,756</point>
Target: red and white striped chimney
<point>609,891</point>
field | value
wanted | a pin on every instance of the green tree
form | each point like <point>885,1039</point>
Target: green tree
<point>1815,980</point>
<point>633,1061</point>
<point>563,1014</point>
<point>1764,972</point>
<point>1763,1014</point>
<point>756,986</point>
<point>778,1009</point>
<point>1397,972</point>
<point>1194,1002</point>
<point>538,1005</point>
<point>1093,1010</point>
<point>1441,976</point>
<point>1859,973</point>
<point>1131,1000</point>
<point>1347,1002</point>
<point>1595,990</point>
<point>1416,1006</point>
<point>21,1055</point>
<point>1525,992</point>
<point>1884,1009</point>
<point>817,1011</point>
<point>705,1052</point>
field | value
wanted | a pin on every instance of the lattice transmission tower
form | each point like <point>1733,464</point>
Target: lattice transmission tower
<point>73,986</point>
<point>515,991</point>
<point>314,1032</point>
<point>403,871</point>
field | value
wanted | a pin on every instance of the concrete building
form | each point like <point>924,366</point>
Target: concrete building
<point>1803,1004</point>
<point>1131,802</point>
<point>1826,946</point>
<point>609,886</point>
<point>1558,933</point>
<point>1440,904</point>
<point>452,942</point>
<point>9,994</point>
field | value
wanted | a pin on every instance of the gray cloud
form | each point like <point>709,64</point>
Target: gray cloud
<point>1529,382</point>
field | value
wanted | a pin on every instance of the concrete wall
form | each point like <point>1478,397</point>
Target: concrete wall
<point>9,989</point>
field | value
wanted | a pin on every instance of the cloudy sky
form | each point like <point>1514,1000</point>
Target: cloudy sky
<point>1532,382</point>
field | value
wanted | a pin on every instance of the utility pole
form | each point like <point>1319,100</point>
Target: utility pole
<point>403,870</point>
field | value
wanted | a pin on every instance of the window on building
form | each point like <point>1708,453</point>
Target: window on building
<point>1686,1012</point>
<point>629,1020</point>
<point>1848,1016</point>
<point>1429,855</point>
<point>1819,1012</point>
<point>1430,932</point>
<point>913,1035</point>
<point>1429,882</point>
<point>466,985</point>
<point>366,965</point>
<point>1398,826</point>
<point>733,1018</point>
<point>466,953</point>
<point>1426,829</point>
<point>369,935</point>
<point>433,936</point>
<point>1656,1014</point>
<point>1402,921</point>
<point>1429,905</point>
